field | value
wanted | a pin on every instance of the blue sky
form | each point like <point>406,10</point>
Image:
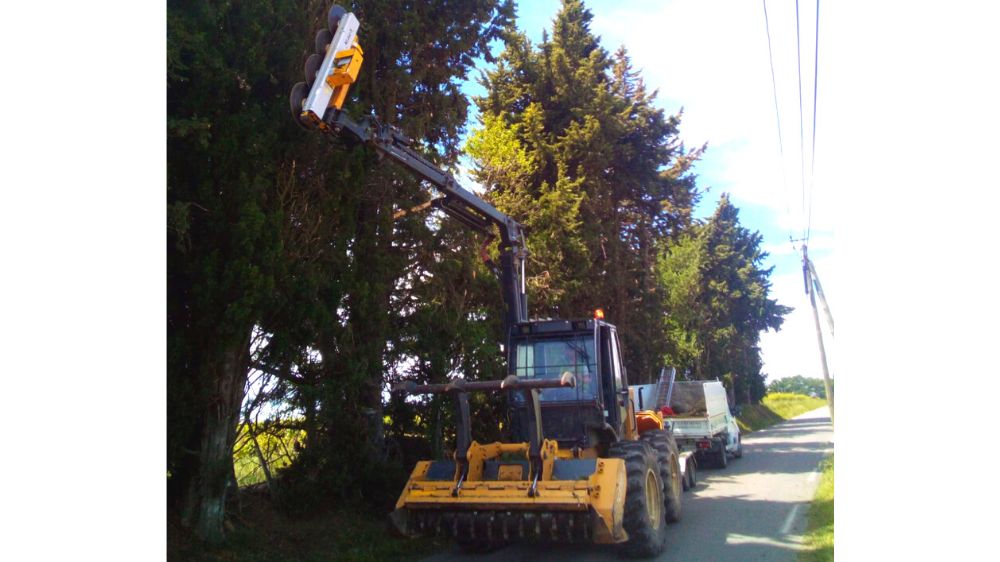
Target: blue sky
<point>711,59</point>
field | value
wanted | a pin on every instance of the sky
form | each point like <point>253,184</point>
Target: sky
<point>711,60</point>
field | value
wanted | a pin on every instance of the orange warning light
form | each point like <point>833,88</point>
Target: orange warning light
<point>599,314</point>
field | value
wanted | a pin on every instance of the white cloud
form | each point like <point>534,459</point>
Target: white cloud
<point>794,350</point>
<point>712,59</point>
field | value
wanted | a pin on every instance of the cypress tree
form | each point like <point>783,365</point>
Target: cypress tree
<point>716,293</point>
<point>274,233</point>
<point>572,145</point>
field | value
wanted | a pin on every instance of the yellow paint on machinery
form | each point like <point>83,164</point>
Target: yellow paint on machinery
<point>601,495</point>
<point>345,71</point>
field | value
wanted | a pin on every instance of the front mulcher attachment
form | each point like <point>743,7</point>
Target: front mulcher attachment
<point>494,493</point>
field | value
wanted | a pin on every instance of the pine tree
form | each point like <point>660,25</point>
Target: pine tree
<point>572,146</point>
<point>716,293</point>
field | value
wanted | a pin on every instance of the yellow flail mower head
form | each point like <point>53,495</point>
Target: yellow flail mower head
<point>498,492</point>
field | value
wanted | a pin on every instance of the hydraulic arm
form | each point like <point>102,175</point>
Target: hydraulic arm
<point>316,105</point>
<point>581,479</point>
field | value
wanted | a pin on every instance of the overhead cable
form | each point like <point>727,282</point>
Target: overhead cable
<point>812,164</point>
<point>777,116</point>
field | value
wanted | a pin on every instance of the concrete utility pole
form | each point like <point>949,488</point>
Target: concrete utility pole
<point>812,288</point>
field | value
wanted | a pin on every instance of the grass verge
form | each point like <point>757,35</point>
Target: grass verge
<point>819,528</point>
<point>776,407</point>
<point>262,533</point>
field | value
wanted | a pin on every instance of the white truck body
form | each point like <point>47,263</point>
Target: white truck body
<point>715,416</point>
<point>703,422</point>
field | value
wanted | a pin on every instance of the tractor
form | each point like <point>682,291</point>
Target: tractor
<point>582,464</point>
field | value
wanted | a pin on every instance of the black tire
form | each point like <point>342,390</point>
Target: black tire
<point>295,99</point>
<point>722,459</point>
<point>323,38</point>
<point>312,67</point>
<point>644,513</point>
<point>739,447</point>
<point>692,473</point>
<point>333,17</point>
<point>663,443</point>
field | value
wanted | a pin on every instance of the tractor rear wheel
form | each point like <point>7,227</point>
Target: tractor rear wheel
<point>644,514</point>
<point>667,458</point>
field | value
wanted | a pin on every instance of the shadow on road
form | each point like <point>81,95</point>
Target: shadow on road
<point>730,528</point>
<point>752,510</point>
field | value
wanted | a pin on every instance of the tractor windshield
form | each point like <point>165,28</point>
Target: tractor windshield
<point>550,358</point>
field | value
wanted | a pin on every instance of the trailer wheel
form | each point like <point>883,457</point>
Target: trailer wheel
<point>668,460</point>
<point>643,518</point>
<point>739,447</point>
<point>692,473</point>
<point>722,460</point>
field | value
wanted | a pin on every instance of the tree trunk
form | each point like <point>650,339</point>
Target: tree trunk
<point>206,498</point>
<point>263,461</point>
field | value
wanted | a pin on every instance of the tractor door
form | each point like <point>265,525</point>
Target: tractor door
<point>615,383</point>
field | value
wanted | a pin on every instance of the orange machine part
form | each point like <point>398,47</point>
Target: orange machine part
<point>647,420</point>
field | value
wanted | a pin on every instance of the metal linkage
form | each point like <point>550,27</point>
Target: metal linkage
<point>460,388</point>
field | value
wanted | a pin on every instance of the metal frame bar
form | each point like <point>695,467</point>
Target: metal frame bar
<point>459,390</point>
<point>320,94</point>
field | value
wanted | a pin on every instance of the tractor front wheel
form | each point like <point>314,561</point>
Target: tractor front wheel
<point>644,519</point>
<point>662,441</point>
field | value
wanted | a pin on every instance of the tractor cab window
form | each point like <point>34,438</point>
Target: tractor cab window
<point>550,358</point>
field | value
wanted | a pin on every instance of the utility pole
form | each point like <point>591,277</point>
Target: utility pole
<point>812,289</point>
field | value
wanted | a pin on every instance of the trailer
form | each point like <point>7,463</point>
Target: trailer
<point>654,397</point>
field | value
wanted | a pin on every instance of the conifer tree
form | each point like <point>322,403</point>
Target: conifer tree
<point>273,232</point>
<point>572,145</point>
<point>716,293</point>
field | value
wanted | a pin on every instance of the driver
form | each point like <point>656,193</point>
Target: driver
<point>576,364</point>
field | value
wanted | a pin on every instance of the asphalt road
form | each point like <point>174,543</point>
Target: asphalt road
<point>752,510</point>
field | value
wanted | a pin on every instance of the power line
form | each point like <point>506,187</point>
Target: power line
<point>777,117</point>
<point>812,164</point>
<point>802,135</point>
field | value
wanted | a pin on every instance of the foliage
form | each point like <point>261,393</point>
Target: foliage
<point>347,532</point>
<point>716,295</point>
<point>278,446</point>
<point>790,405</point>
<point>799,385</point>
<point>227,137</point>
<point>272,232</point>
<point>819,530</point>
<point>572,146</point>
<point>775,408</point>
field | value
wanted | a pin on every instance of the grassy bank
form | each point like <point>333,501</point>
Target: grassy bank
<point>819,531</point>
<point>774,408</point>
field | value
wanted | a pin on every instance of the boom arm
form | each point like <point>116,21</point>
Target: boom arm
<point>456,201</point>
<point>316,105</point>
